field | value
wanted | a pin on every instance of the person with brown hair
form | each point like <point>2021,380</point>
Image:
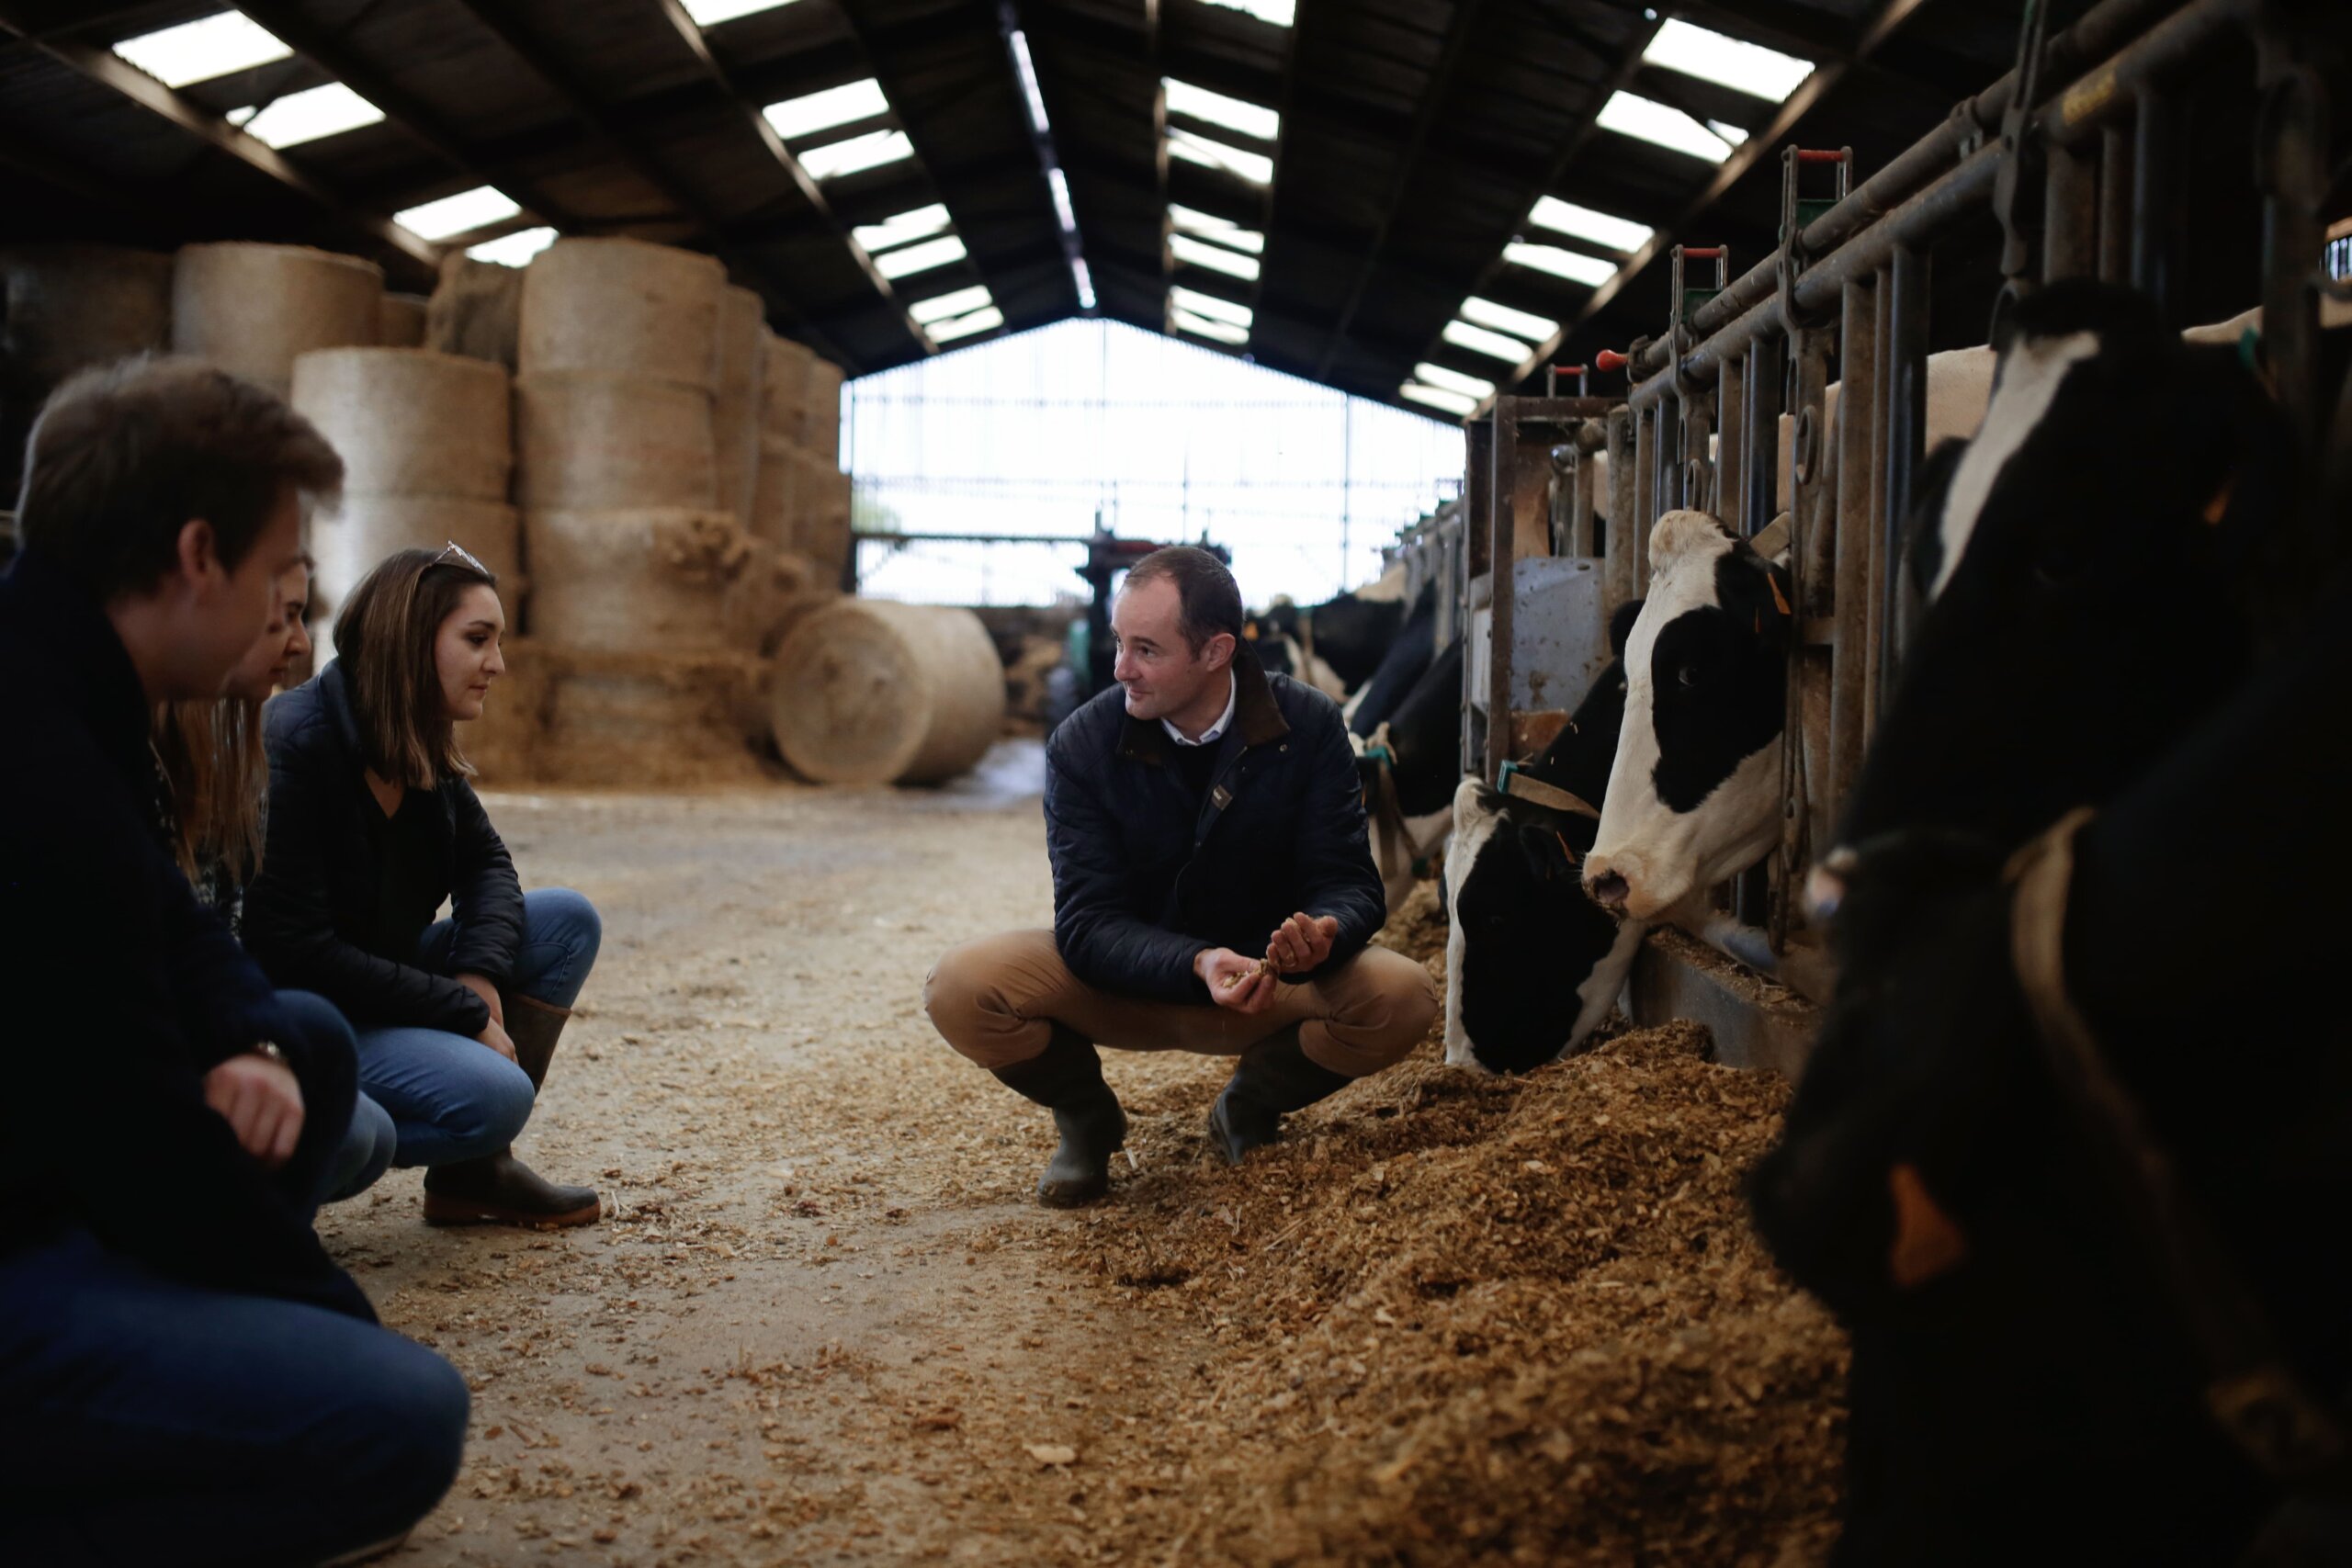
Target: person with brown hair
<point>185,1375</point>
<point>372,824</point>
<point>216,781</point>
<point>1198,804</point>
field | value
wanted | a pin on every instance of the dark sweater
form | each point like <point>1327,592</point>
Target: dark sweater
<point>1146,873</point>
<point>345,894</point>
<point>119,992</point>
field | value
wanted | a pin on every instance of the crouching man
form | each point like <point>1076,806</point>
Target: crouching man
<point>1214,892</point>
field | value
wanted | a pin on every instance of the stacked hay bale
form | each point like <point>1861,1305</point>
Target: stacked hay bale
<point>651,602</point>
<point>253,310</point>
<point>802,498</point>
<point>63,309</point>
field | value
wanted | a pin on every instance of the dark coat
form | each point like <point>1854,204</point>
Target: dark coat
<point>1146,874</point>
<point>120,992</point>
<point>314,916</point>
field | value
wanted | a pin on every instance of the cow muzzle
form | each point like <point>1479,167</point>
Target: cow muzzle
<point>1610,890</point>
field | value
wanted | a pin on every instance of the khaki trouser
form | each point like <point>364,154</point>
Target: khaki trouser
<point>996,1001</point>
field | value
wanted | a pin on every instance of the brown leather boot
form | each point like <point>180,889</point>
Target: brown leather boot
<point>499,1190</point>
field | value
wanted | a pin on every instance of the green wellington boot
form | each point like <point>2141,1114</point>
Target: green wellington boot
<point>1067,1079</point>
<point>499,1190</point>
<point>1274,1077</point>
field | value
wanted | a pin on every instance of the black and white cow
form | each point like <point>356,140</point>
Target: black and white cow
<point>1410,654</point>
<point>1695,792</point>
<point>1350,633</point>
<point>1532,965</point>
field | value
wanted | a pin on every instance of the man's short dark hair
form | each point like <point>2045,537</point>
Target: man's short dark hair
<point>1209,600</point>
<point>125,456</point>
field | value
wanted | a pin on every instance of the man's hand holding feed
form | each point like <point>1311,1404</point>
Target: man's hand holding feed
<point>1245,985</point>
<point>1302,942</point>
<point>257,1096</point>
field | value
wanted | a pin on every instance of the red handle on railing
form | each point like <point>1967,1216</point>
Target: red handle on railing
<point>1703,252</point>
<point>1822,154</point>
<point>1609,359</point>
<point>1574,369</point>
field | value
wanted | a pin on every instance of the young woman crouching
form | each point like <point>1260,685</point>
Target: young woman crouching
<point>215,784</point>
<point>371,825</point>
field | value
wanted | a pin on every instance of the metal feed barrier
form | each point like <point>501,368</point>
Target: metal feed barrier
<point>2078,154</point>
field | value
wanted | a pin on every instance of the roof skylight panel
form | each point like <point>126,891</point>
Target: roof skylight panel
<point>1195,148</point>
<point>857,154</point>
<point>964,326</point>
<point>1585,223</point>
<point>1574,265</point>
<point>1223,230</point>
<point>1452,380</point>
<point>1649,120</point>
<point>1479,340</point>
<point>1216,109</point>
<point>1083,276</point>
<point>1520,323</point>
<point>710,13</point>
<point>514,250</point>
<point>916,223</point>
<point>459,214</point>
<point>307,116</point>
<point>912,259</point>
<point>1748,68</point>
<point>1201,326</point>
<point>1451,401</point>
<point>940,306</point>
<point>1216,258</point>
<point>813,112</point>
<point>1209,305</point>
<point>1027,71</point>
<point>1064,214</point>
<point>1281,12</point>
<point>202,50</point>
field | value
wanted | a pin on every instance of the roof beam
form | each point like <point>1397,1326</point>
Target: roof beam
<point>119,77</point>
<point>536,59</point>
<point>690,33</point>
<point>1766,143</point>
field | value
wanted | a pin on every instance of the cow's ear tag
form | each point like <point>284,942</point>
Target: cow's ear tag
<point>1780,599</point>
<point>1249,632</point>
<point>2219,507</point>
<point>1927,1244</point>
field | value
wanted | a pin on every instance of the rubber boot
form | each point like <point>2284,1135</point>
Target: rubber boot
<point>1067,1079</point>
<point>499,1190</point>
<point>1275,1078</point>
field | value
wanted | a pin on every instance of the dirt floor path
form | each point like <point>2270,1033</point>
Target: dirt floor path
<point>823,1324</point>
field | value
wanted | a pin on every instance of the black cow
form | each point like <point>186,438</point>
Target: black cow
<point>1411,764</point>
<point>1350,633</point>
<point>1525,938</point>
<point>1407,660</point>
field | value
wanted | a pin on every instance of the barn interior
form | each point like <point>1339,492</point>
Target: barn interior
<point>595,288</point>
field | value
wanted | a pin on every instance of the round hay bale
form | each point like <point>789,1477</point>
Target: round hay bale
<point>474,309</point>
<point>409,421</point>
<point>735,411</point>
<point>622,307</point>
<point>365,528</point>
<point>252,308</point>
<point>63,308</point>
<point>647,719</point>
<point>401,321</point>
<point>770,595</point>
<point>784,386</point>
<point>776,492</point>
<point>504,743</point>
<point>588,442</point>
<point>820,425</point>
<point>870,691</point>
<point>653,580</point>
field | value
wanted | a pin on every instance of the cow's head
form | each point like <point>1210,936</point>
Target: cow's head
<point>1695,792</point>
<point>2085,558</point>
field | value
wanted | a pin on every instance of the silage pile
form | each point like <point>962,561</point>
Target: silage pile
<point>1477,1320</point>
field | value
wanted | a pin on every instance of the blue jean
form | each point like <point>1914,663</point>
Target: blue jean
<point>143,1420</point>
<point>364,1148</point>
<point>452,1098</point>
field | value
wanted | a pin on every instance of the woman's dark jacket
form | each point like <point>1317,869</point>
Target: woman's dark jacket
<point>119,993</point>
<point>317,916</point>
<point>1146,873</point>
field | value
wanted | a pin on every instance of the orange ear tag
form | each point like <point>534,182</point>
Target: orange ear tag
<point>1927,1244</point>
<point>1780,599</point>
<point>2219,507</point>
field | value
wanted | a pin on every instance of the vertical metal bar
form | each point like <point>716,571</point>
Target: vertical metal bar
<point>2114,204</point>
<point>1906,439</point>
<point>1760,495</point>
<point>1806,772</point>
<point>1882,387</point>
<point>1693,471</point>
<point>1730,438</point>
<point>2070,215</point>
<point>2291,157</point>
<point>1617,570</point>
<point>1851,596</point>
<point>1645,508</point>
<point>2154,176</point>
<point>1502,550</point>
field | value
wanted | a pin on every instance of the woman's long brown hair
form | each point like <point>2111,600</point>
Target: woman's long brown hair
<point>212,757</point>
<point>383,638</point>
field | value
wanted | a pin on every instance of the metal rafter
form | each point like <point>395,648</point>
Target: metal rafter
<point>1765,143</point>
<point>119,77</point>
<point>690,33</point>
<point>584,107</point>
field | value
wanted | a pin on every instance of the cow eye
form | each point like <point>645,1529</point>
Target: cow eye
<point>1687,677</point>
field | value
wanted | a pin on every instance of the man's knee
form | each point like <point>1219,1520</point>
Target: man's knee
<point>1386,1012</point>
<point>968,1002</point>
<point>402,1435</point>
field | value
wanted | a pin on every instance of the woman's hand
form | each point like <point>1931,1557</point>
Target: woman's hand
<point>487,989</point>
<point>1245,985</point>
<point>493,1034</point>
<point>259,1098</point>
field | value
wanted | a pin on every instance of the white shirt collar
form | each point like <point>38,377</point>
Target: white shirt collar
<point>1215,732</point>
